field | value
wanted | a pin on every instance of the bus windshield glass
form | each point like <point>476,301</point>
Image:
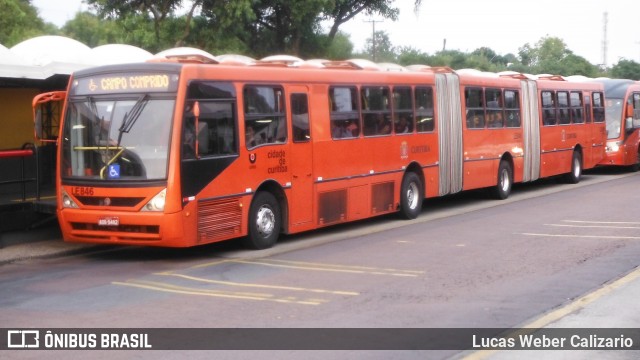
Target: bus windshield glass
<point>613,117</point>
<point>117,139</point>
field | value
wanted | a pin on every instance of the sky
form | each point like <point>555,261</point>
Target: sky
<point>465,25</point>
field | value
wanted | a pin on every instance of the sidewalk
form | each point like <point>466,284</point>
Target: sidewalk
<point>613,306</point>
<point>37,243</point>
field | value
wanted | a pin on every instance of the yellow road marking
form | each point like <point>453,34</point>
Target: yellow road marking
<point>563,311</point>
<point>276,287</point>
<point>151,285</point>
<point>329,267</point>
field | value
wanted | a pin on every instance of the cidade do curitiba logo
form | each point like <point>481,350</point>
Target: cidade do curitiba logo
<point>70,339</point>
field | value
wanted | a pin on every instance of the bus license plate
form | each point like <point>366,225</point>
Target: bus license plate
<point>109,221</point>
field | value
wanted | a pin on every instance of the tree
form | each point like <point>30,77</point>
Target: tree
<point>91,31</point>
<point>379,48</point>
<point>411,56</point>
<point>158,11</point>
<point>19,21</point>
<point>345,10</point>
<point>625,69</point>
<point>551,56</point>
<point>339,49</point>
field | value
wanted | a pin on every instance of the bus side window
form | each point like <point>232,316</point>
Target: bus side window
<point>345,115</point>
<point>576,107</point>
<point>424,109</point>
<point>493,100</point>
<point>636,106</point>
<point>264,115</point>
<point>216,133</point>
<point>376,111</point>
<point>300,117</point>
<point>548,108</point>
<point>563,108</point>
<point>512,108</point>
<point>597,102</point>
<point>475,108</point>
<point>402,110</point>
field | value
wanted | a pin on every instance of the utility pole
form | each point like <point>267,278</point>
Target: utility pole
<point>605,43</point>
<point>373,36</point>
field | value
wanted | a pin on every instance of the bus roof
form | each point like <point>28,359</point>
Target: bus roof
<point>615,88</point>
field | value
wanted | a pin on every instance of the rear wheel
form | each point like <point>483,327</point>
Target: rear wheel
<point>575,175</point>
<point>505,181</point>
<point>411,196</point>
<point>264,222</point>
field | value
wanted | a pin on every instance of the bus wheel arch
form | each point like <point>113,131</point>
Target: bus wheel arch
<point>267,217</point>
<point>412,190</point>
<point>575,173</point>
<point>636,165</point>
<point>504,179</point>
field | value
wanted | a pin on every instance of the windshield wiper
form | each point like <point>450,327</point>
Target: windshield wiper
<point>129,119</point>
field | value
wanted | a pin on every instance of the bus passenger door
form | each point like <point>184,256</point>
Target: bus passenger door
<point>302,199</point>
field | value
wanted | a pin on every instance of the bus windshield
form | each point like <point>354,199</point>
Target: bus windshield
<point>117,139</point>
<point>613,117</point>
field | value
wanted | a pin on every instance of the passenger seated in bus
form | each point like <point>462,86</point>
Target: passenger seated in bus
<point>383,126</point>
<point>475,121</point>
<point>347,129</point>
<point>494,119</point>
<point>250,137</point>
<point>376,124</point>
<point>402,126</point>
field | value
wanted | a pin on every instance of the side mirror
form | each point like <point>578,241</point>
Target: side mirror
<point>629,111</point>
<point>196,114</point>
<point>47,113</point>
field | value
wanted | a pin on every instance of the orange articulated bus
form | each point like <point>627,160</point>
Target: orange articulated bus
<point>623,121</point>
<point>179,153</point>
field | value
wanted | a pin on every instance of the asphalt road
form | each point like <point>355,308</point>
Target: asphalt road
<point>468,261</point>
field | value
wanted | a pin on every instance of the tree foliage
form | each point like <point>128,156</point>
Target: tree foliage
<point>19,21</point>
<point>257,28</point>
<point>626,69</point>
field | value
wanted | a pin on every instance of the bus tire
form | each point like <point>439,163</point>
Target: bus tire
<point>265,222</point>
<point>411,196</point>
<point>574,176</point>
<point>502,190</point>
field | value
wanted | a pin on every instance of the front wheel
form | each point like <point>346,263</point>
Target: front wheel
<point>264,222</point>
<point>411,196</point>
<point>575,175</point>
<point>502,189</point>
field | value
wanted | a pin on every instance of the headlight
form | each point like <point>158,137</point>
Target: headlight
<point>67,201</point>
<point>157,203</point>
<point>613,146</point>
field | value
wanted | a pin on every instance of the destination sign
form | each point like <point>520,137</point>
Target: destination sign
<point>125,83</point>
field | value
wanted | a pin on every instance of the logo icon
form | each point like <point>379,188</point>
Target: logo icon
<point>23,339</point>
<point>114,171</point>
<point>404,150</point>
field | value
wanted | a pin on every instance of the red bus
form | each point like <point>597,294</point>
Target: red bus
<point>623,120</point>
<point>179,153</point>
